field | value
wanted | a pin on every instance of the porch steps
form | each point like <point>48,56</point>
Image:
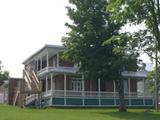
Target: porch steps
<point>31,86</point>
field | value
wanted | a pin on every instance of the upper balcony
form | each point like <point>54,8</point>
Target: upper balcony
<point>49,59</point>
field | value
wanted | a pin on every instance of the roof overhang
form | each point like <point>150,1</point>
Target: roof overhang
<point>137,74</point>
<point>51,49</point>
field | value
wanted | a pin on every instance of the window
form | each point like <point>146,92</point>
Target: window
<point>76,84</point>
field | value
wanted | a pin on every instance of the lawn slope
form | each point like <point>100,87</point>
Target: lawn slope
<point>13,113</point>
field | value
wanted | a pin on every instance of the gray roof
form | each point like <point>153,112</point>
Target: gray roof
<point>43,48</point>
<point>139,74</point>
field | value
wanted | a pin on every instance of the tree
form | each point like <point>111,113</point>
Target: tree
<point>4,75</point>
<point>95,45</point>
<point>141,12</point>
<point>125,59</point>
<point>151,79</point>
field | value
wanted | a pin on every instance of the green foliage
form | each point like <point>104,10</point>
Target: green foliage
<point>93,41</point>
<point>96,45</point>
<point>4,75</point>
<point>151,77</point>
<point>139,12</point>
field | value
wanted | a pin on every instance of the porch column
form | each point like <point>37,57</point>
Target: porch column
<point>46,83</point>
<point>99,91</point>
<point>51,88</point>
<point>143,91</point>
<point>47,59</point>
<point>82,89</point>
<point>129,90</point>
<point>57,59</point>
<point>114,84</point>
<point>64,89</point>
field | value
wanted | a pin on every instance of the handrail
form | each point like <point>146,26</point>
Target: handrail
<point>15,99</point>
<point>29,86</point>
<point>32,80</point>
<point>35,82</point>
<point>30,98</point>
<point>28,76</point>
<point>35,76</point>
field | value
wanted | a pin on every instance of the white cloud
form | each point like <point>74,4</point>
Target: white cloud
<point>25,26</point>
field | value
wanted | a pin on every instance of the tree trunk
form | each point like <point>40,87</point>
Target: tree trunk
<point>122,106</point>
<point>156,32</point>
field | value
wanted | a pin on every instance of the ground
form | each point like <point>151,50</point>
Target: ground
<point>13,113</point>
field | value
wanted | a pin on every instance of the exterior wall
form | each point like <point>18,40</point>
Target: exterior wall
<point>133,85</point>
<point>86,85</point>
<point>59,82</point>
<point>68,83</point>
<point>3,94</point>
<point>109,86</point>
<point>53,61</point>
<point>30,66</point>
<point>12,89</point>
<point>90,85</point>
<point>43,85</point>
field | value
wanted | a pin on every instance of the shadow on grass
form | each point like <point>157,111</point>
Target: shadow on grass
<point>135,115</point>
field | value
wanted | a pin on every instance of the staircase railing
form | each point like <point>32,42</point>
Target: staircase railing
<point>32,81</point>
<point>31,85</point>
<point>16,97</point>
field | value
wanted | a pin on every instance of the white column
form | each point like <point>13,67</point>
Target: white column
<point>53,84</point>
<point>46,83</point>
<point>99,91</point>
<point>129,90</point>
<point>57,59</point>
<point>143,91</point>
<point>82,89</point>
<point>47,59</point>
<point>114,85</point>
<point>64,89</point>
<point>51,88</point>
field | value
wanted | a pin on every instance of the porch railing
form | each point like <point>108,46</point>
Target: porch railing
<point>94,94</point>
<point>99,95</point>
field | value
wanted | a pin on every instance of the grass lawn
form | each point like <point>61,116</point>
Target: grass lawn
<point>13,113</point>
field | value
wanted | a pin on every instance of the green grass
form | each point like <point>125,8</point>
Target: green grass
<point>13,113</point>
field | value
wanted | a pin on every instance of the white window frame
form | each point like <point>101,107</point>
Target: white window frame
<point>76,84</point>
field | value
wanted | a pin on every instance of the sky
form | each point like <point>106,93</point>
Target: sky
<point>26,26</point>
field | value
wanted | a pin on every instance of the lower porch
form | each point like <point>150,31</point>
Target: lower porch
<point>94,98</point>
<point>75,90</point>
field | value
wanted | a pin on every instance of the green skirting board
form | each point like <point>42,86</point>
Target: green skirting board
<point>95,102</point>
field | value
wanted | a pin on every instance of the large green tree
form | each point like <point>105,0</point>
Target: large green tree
<point>95,44</point>
<point>141,12</point>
